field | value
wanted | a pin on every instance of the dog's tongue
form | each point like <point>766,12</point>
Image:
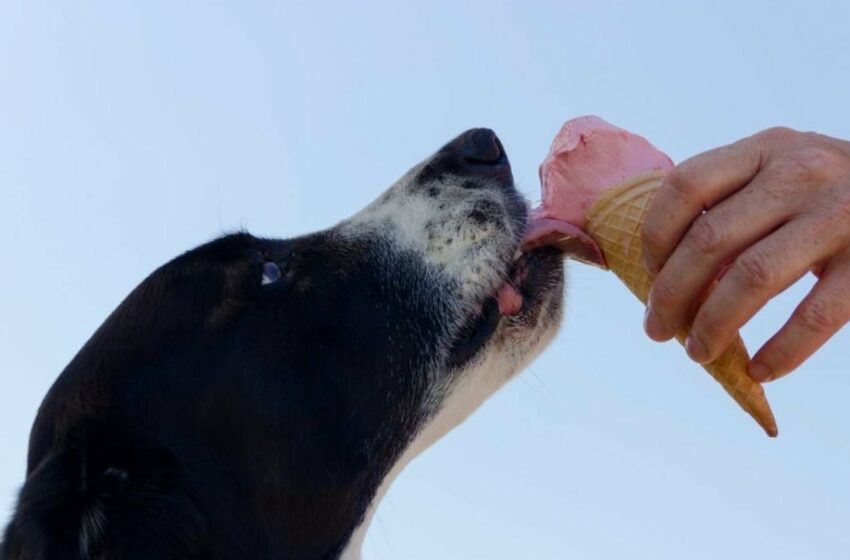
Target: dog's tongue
<point>509,299</point>
<point>587,157</point>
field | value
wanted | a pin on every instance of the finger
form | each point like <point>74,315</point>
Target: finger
<point>763,270</point>
<point>820,315</point>
<point>713,240</point>
<point>691,187</point>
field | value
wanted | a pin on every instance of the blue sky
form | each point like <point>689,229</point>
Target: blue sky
<point>131,131</point>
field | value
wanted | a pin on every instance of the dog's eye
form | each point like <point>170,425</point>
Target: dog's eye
<point>271,273</point>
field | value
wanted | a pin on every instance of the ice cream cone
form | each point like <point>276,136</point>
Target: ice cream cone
<point>614,222</point>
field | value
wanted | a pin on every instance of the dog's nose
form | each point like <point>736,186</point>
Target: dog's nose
<point>475,153</point>
<point>481,146</point>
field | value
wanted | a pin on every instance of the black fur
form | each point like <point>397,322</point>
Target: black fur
<point>217,416</point>
<point>198,360</point>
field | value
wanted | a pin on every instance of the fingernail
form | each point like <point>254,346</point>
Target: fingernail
<point>760,372</point>
<point>696,349</point>
<point>654,328</point>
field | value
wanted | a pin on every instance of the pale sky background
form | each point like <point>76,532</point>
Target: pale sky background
<point>132,131</point>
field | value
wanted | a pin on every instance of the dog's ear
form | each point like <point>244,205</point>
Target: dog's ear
<point>37,532</point>
<point>76,503</point>
<point>77,507</point>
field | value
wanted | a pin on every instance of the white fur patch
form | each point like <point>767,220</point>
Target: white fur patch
<point>498,363</point>
<point>439,228</point>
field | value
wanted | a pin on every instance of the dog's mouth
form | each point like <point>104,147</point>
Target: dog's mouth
<point>541,233</point>
<point>511,298</point>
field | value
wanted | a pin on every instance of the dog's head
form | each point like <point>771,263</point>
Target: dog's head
<point>297,377</point>
<point>448,236</point>
<point>422,304</point>
<point>428,288</point>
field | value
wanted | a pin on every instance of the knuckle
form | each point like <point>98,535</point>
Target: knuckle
<point>776,134</point>
<point>780,357</point>
<point>709,327</point>
<point>788,170</point>
<point>664,296</point>
<point>810,164</point>
<point>812,137</point>
<point>707,235</point>
<point>756,270</point>
<point>752,150</point>
<point>817,315</point>
<point>684,180</point>
<point>832,210</point>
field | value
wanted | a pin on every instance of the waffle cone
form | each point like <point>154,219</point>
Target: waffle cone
<point>614,222</point>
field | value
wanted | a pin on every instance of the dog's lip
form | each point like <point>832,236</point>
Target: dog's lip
<point>509,295</point>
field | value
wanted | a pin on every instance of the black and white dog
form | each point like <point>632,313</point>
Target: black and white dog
<point>254,398</point>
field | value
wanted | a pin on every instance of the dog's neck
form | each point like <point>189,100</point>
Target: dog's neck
<point>476,385</point>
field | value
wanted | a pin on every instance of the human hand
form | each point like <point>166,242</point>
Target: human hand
<point>777,205</point>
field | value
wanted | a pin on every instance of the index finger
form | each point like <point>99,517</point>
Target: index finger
<point>692,187</point>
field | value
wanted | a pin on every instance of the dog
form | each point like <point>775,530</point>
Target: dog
<point>255,398</point>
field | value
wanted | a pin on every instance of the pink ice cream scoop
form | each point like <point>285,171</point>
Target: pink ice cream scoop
<point>587,157</point>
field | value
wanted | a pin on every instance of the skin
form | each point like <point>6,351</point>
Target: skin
<point>759,213</point>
